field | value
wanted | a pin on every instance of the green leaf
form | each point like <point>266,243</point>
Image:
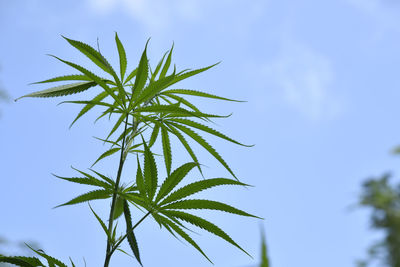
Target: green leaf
<point>183,101</point>
<point>174,179</point>
<point>87,181</point>
<point>264,252</point>
<point>89,106</point>
<point>130,234</point>
<point>142,72</point>
<point>150,172</point>
<point>107,153</point>
<point>139,180</point>
<point>105,178</point>
<point>62,90</point>
<point>131,75</point>
<point>197,93</point>
<point>204,224</point>
<point>198,186</point>
<point>94,77</point>
<point>119,207</point>
<point>51,261</point>
<point>166,222</point>
<point>21,261</point>
<point>188,74</point>
<point>207,129</point>
<point>117,124</point>
<point>95,56</point>
<point>81,102</point>
<point>187,147</point>
<point>167,63</point>
<point>92,195</point>
<point>166,108</point>
<point>204,144</point>
<point>103,225</point>
<point>206,204</point>
<point>76,77</point>
<point>166,144</point>
<point>154,75</point>
<point>122,56</point>
<point>154,135</point>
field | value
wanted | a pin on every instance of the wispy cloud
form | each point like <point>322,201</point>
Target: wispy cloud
<point>304,77</point>
<point>158,15</point>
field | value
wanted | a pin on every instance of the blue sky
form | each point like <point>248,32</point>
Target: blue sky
<point>321,81</point>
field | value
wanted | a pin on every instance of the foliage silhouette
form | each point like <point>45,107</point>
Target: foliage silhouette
<point>144,108</point>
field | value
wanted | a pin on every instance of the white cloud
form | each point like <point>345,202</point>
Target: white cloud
<point>158,15</point>
<point>153,14</point>
<point>304,78</point>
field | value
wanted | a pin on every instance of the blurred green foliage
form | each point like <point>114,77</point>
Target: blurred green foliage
<point>383,198</point>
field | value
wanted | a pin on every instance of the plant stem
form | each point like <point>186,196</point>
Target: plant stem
<point>125,236</point>
<point>114,198</point>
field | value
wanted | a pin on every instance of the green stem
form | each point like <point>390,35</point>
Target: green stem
<point>114,198</point>
<point>125,236</point>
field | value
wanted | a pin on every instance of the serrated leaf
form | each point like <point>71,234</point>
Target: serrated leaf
<point>207,130</point>
<point>94,77</point>
<point>174,179</point>
<point>92,195</point>
<point>186,146</point>
<point>183,234</point>
<point>105,178</point>
<point>21,261</point>
<point>107,154</point>
<point>206,204</point>
<point>197,93</point>
<point>154,135</point>
<point>166,144</point>
<point>139,179</point>
<point>76,77</point>
<point>158,67</point>
<point>204,144</point>
<point>198,186</point>
<point>87,181</point>
<point>89,106</point>
<point>150,172</point>
<point>51,261</point>
<point>117,124</point>
<point>122,56</point>
<point>130,234</point>
<point>62,90</point>
<point>183,101</point>
<point>167,63</point>
<point>119,207</point>
<point>130,76</point>
<point>103,225</point>
<point>204,224</point>
<point>142,72</point>
<point>188,74</point>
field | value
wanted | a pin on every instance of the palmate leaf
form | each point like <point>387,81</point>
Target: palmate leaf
<point>206,204</point>
<point>168,224</point>
<point>21,261</point>
<point>62,90</point>
<point>203,143</point>
<point>204,224</point>
<point>130,234</point>
<point>198,186</point>
<point>92,195</point>
<point>89,106</point>
<point>95,78</point>
<point>174,179</point>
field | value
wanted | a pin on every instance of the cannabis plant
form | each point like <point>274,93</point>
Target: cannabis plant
<point>144,107</point>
